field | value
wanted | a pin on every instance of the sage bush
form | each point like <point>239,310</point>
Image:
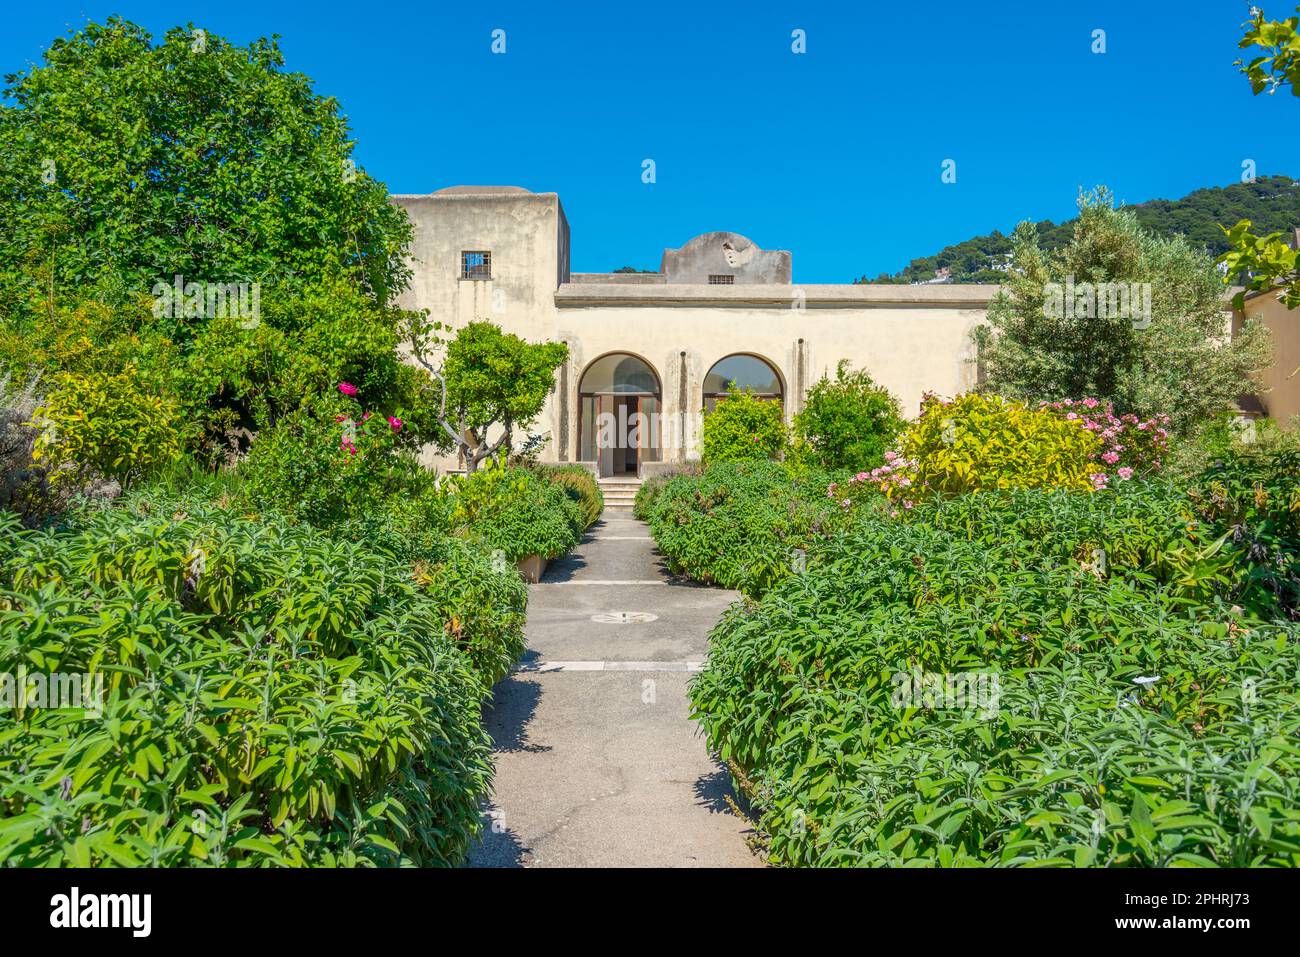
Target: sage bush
<point>1141,715</point>
<point>273,696</point>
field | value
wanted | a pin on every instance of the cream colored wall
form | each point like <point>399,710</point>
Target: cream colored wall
<point>527,236</point>
<point>911,339</point>
<point>1280,382</point>
<point>907,350</point>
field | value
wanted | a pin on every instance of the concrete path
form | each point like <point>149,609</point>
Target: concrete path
<point>598,763</point>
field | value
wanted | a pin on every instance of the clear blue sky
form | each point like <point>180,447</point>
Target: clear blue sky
<point>834,154</point>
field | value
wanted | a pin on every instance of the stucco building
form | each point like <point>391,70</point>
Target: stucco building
<point>648,352</point>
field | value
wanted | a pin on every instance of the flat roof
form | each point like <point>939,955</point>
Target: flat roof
<point>579,294</point>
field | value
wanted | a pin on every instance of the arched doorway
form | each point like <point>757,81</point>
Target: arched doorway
<point>742,372</point>
<point>619,398</point>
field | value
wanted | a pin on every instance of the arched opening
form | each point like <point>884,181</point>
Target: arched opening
<point>742,372</point>
<point>619,399</point>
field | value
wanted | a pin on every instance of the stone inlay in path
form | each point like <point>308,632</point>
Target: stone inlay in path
<point>598,762</point>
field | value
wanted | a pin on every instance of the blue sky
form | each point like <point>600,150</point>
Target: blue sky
<point>834,154</point>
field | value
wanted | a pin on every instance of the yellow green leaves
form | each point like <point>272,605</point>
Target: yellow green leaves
<point>107,424</point>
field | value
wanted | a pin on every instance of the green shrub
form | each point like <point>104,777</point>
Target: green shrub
<point>272,697</point>
<point>105,424</point>
<point>848,423</point>
<point>811,695</point>
<point>1252,496</point>
<point>742,428</point>
<point>648,492</point>
<point>328,462</point>
<point>583,488</point>
<point>514,511</point>
<point>481,601</point>
<point>980,442</point>
<point>742,525</point>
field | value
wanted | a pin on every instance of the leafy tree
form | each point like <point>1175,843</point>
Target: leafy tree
<point>850,421</point>
<point>1177,360</point>
<point>489,380</point>
<point>124,162</point>
<point>1267,260</point>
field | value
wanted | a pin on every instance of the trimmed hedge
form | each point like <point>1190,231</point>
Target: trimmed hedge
<point>742,524</point>
<point>583,488</point>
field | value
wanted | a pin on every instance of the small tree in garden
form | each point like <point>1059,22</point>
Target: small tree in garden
<point>489,380</point>
<point>850,421</point>
<point>743,426</point>
<point>1121,315</point>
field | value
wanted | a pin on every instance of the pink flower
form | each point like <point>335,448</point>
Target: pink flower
<point>347,388</point>
<point>861,477</point>
<point>1099,479</point>
<point>890,456</point>
<point>1110,458</point>
<point>1091,403</point>
<point>1126,473</point>
<point>395,423</point>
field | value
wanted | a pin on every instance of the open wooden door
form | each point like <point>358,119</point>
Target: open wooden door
<point>605,414</point>
<point>647,431</point>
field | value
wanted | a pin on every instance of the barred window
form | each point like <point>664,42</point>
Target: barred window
<point>715,280</point>
<point>476,265</point>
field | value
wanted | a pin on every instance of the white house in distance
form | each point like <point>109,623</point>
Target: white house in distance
<point>649,351</point>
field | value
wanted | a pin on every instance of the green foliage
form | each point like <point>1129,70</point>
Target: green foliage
<point>744,525</point>
<point>124,162</point>
<point>980,442</point>
<point>848,422</point>
<point>272,697</point>
<point>1271,201</point>
<point>329,461</point>
<point>1279,64</point>
<point>583,488</point>
<point>495,378</point>
<point>514,511</point>
<point>105,424</point>
<point>744,428</point>
<point>481,601</point>
<point>831,698</point>
<point>1139,363</point>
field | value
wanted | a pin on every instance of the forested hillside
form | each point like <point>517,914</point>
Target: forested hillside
<point>1271,203</point>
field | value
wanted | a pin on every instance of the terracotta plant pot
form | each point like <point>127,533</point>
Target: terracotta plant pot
<point>532,567</point>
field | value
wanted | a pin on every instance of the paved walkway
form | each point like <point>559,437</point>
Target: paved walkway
<point>598,763</point>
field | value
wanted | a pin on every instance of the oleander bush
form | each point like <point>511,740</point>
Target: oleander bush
<point>583,488</point>
<point>272,696</point>
<point>1117,706</point>
<point>743,525</point>
<point>331,460</point>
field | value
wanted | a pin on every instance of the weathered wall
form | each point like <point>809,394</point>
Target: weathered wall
<point>1280,383</point>
<point>908,347</point>
<point>726,254</point>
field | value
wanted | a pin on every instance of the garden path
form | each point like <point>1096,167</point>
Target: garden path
<point>598,763</point>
